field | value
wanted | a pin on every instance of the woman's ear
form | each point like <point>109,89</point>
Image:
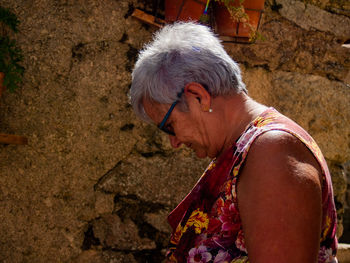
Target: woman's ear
<point>196,93</point>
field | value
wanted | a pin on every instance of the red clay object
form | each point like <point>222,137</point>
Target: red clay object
<point>184,10</point>
<point>225,26</point>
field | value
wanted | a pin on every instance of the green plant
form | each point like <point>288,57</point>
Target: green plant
<point>10,54</point>
<point>237,11</point>
<point>9,18</point>
<point>238,14</point>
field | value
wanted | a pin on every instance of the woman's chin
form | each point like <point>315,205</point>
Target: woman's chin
<point>201,154</point>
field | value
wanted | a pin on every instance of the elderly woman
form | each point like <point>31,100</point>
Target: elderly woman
<point>267,194</point>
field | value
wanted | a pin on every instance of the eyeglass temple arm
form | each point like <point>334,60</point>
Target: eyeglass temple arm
<point>171,109</point>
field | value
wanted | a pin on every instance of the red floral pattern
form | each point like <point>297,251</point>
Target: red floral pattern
<point>207,226</point>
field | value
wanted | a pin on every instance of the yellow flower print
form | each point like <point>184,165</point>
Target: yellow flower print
<point>233,189</point>
<point>235,170</point>
<point>262,121</point>
<point>198,220</point>
<point>219,205</point>
<point>211,165</point>
<point>172,259</point>
<point>241,260</point>
<point>175,238</point>
<point>228,188</point>
<point>327,227</point>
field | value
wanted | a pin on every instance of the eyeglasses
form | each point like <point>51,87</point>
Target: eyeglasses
<point>166,117</point>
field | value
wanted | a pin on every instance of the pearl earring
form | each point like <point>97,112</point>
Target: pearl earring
<point>207,109</point>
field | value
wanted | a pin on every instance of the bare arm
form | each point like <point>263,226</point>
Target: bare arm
<point>280,203</point>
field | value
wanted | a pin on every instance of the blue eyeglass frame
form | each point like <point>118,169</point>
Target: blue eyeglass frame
<point>167,115</point>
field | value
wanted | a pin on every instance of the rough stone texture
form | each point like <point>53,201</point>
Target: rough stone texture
<point>344,253</point>
<point>341,7</point>
<point>308,16</point>
<point>120,235</point>
<point>293,49</point>
<point>159,167</point>
<point>318,105</point>
<point>315,102</point>
<point>94,256</point>
<point>94,184</point>
<point>158,220</point>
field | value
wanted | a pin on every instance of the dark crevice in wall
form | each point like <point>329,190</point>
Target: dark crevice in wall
<point>131,54</point>
<point>152,154</point>
<point>77,53</point>
<point>275,7</point>
<point>102,179</point>
<point>249,66</point>
<point>339,206</point>
<point>338,11</point>
<point>148,256</point>
<point>135,209</point>
<point>141,256</point>
<point>332,77</point>
<point>130,10</point>
<point>124,38</point>
<point>83,50</point>
<point>127,127</point>
<point>89,239</point>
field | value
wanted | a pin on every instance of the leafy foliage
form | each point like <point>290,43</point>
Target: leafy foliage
<point>10,54</point>
<point>9,19</point>
<point>238,14</point>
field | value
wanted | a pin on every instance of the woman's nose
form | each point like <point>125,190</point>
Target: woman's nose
<point>175,142</point>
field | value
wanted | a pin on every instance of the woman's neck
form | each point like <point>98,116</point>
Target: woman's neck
<point>237,112</point>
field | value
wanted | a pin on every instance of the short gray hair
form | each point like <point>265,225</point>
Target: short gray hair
<point>179,54</point>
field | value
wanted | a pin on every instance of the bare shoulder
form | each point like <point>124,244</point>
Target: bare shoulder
<point>279,198</point>
<point>281,151</point>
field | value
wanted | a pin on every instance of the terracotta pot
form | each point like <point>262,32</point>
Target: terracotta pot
<point>2,87</point>
<point>226,26</point>
<point>184,10</point>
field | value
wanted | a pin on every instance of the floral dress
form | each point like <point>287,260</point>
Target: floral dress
<point>206,224</point>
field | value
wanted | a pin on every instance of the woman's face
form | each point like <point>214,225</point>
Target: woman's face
<point>191,128</point>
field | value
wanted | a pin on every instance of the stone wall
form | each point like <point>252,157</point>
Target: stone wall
<point>95,184</point>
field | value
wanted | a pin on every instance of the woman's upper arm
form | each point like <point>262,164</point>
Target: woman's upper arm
<point>280,203</point>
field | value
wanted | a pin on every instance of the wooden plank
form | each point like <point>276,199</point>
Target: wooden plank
<point>228,39</point>
<point>147,18</point>
<point>13,139</point>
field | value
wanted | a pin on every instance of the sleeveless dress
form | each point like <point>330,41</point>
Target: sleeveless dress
<point>206,224</point>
